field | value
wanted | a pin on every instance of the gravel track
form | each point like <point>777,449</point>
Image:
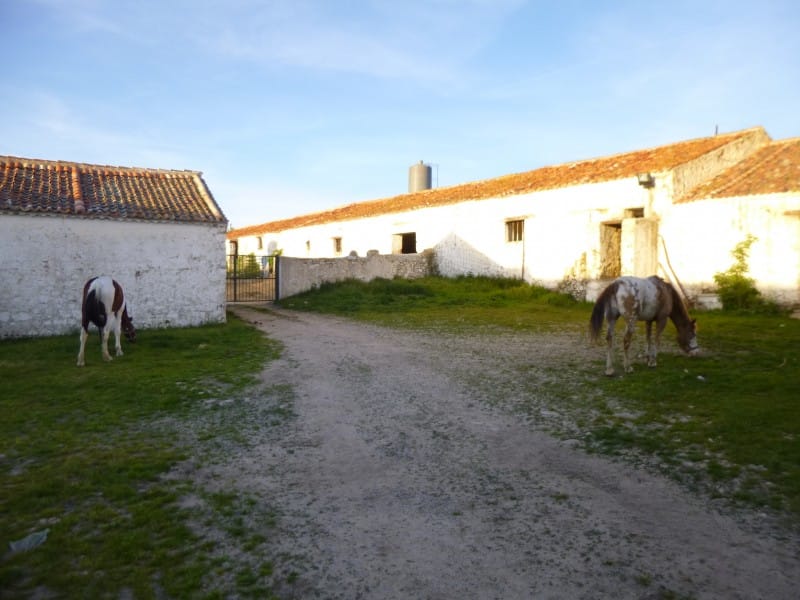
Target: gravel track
<point>397,479</point>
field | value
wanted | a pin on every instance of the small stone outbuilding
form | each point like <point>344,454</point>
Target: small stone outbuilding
<point>159,232</point>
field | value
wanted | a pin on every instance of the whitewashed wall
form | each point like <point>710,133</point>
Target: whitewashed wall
<point>700,236</point>
<point>173,274</point>
<point>562,235</point>
<point>562,230</point>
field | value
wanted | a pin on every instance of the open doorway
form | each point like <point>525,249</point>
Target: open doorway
<point>611,250</point>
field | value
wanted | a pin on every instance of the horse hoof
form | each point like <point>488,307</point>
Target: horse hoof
<point>609,372</point>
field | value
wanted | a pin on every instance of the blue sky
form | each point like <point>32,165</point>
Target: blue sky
<point>295,106</point>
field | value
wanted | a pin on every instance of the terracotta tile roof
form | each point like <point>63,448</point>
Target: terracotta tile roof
<point>32,186</point>
<point>773,169</point>
<point>595,170</point>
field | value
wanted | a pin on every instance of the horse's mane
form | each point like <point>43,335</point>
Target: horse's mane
<point>679,310</point>
<point>680,317</point>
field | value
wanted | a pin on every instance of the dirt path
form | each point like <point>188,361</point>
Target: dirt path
<point>396,480</point>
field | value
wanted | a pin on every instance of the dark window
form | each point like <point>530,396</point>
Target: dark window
<point>404,243</point>
<point>514,230</point>
<point>409,243</point>
<point>337,245</point>
<point>634,213</point>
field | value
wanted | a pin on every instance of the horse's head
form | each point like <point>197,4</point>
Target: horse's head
<point>687,338</point>
<point>127,327</point>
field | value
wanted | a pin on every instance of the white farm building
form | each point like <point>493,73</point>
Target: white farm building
<point>676,210</point>
<point>158,232</point>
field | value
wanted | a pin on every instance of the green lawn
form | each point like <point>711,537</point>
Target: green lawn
<point>84,452</point>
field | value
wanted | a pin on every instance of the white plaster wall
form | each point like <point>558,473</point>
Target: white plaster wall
<point>561,232</point>
<point>700,236</point>
<point>562,236</point>
<point>173,274</point>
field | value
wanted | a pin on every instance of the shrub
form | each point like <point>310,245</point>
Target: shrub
<point>736,290</point>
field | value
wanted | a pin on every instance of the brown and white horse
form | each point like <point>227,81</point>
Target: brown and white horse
<point>104,305</point>
<point>652,300</point>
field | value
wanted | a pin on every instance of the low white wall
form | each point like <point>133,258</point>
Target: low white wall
<point>297,275</point>
<point>173,274</point>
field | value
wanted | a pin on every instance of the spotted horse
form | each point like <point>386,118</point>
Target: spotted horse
<point>651,300</point>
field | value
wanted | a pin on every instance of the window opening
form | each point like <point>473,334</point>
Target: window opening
<point>634,213</point>
<point>515,230</point>
<point>404,243</point>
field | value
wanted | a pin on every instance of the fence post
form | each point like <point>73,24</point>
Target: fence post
<point>277,277</point>
<point>235,275</point>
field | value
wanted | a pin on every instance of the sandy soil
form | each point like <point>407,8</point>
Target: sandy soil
<point>396,479</point>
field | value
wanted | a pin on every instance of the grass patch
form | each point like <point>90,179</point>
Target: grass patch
<point>731,415</point>
<point>457,304</point>
<point>728,420</point>
<point>83,452</point>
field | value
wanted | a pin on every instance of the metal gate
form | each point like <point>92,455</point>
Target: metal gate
<point>252,278</point>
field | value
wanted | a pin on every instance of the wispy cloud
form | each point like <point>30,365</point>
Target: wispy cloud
<point>44,119</point>
<point>391,40</point>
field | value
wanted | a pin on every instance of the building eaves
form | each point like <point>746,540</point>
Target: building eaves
<point>595,170</point>
<point>35,186</point>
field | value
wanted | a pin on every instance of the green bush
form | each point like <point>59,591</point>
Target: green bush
<point>736,290</point>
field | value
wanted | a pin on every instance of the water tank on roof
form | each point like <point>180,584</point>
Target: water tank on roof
<point>419,177</point>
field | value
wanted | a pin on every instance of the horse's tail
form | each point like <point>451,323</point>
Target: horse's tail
<point>599,310</point>
<point>96,311</point>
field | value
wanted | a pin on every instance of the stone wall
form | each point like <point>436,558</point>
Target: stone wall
<point>173,274</point>
<point>297,275</point>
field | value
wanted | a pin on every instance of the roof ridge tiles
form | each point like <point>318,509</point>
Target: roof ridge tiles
<point>28,162</point>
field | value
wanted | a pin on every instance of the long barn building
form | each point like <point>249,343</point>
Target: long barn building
<point>676,210</point>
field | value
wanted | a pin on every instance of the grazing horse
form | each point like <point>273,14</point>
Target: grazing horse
<point>104,305</point>
<point>638,299</point>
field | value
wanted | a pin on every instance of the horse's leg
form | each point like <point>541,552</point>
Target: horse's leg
<point>118,333</point>
<point>104,343</point>
<point>84,335</point>
<point>660,325</point>
<point>651,352</point>
<point>630,327</point>
<point>610,347</point>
